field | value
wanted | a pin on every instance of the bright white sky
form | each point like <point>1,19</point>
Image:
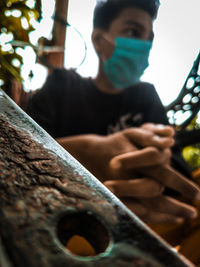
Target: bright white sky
<point>176,44</point>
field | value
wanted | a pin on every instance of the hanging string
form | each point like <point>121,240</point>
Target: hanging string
<point>66,24</point>
<point>51,49</point>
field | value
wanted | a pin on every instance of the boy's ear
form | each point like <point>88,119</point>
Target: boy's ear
<point>97,39</point>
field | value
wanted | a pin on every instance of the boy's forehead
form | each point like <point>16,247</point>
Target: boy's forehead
<point>134,16</point>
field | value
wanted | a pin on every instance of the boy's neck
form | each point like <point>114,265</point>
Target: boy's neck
<point>103,84</point>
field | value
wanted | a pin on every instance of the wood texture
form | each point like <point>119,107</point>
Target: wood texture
<point>47,197</point>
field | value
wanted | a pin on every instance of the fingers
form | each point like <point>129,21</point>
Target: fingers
<point>162,142</point>
<point>150,216</point>
<point>145,157</point>
<point>169,177</point>
<point>164,204</point>
<point>143,188</point>
<point>160,209</point>
<point>159,129</point>
<point>144,138</point>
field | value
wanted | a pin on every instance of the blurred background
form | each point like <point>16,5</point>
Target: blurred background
<point>23,22</point>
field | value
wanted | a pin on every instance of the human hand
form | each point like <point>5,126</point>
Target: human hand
<point>151,134</point>
<point>135,147</point>
<point>120,158</point>
<point>148,145</point>
<point>144,196</point>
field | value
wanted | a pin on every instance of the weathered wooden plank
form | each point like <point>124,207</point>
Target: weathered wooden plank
<point>47,198</point>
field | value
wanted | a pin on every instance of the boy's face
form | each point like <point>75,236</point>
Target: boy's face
<point>131,23</point>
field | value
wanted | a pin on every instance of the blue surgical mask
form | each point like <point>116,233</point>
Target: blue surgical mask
<point>128,62</point>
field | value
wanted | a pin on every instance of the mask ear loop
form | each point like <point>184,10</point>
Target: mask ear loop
<point>108,40</point>
<point>85,46</point>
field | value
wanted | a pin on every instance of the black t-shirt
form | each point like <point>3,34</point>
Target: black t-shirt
<point>69,105</point>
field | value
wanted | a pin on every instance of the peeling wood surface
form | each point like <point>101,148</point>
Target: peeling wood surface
<point>46,197</point>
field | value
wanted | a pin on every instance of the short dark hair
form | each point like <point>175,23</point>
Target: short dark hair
<point>107,10</point>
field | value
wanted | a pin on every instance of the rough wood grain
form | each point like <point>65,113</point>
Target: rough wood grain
<point>46,197</point>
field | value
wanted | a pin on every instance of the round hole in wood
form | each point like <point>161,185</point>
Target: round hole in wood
<point>83,234</point>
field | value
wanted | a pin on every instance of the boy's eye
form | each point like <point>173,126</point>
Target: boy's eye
<point>133,33</point>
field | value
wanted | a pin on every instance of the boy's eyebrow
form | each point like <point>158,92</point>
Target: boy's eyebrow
<point>141,27</point>
<point>135,23</point>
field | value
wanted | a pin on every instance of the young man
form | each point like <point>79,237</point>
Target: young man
<point>114,124</point>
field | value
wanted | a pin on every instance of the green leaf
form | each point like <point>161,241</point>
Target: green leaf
<point>13,25</point>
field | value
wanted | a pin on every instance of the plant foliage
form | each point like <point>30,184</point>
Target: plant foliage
<point>192,153</point>
<point>16,22</point>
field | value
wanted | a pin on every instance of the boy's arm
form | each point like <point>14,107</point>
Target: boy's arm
<point>134,164</point>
